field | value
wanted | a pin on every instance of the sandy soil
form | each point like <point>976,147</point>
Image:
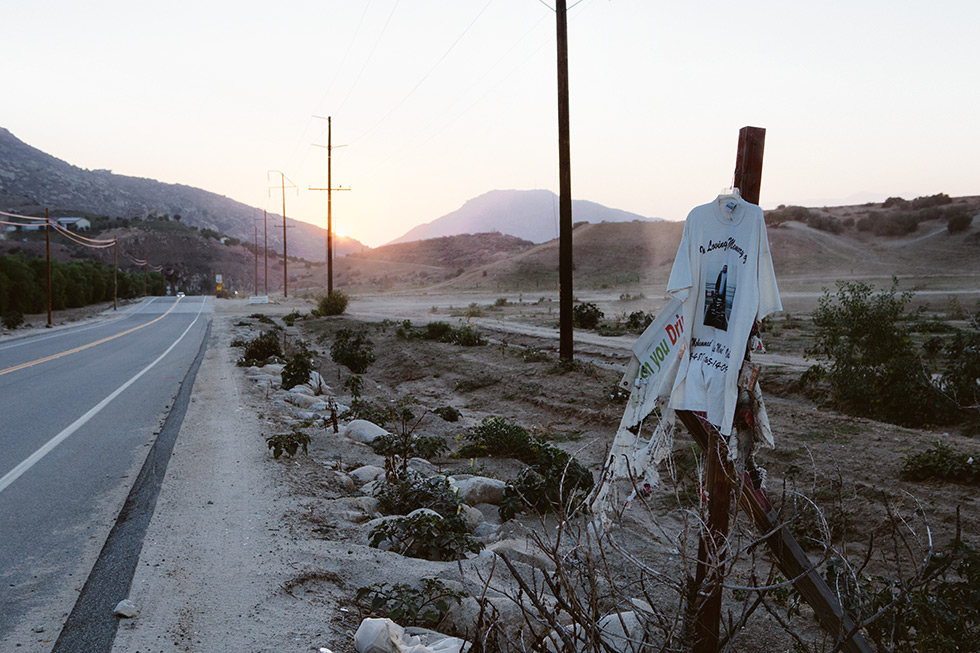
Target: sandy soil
<point>250,553</point>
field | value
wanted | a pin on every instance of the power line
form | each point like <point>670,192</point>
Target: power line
<point>368,60</point>
<point>426,76</point>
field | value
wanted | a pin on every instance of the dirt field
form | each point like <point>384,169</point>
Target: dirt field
<point>250,553</point>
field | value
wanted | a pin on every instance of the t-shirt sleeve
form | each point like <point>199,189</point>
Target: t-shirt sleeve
<point>769,301</point>
<point>680,282</point>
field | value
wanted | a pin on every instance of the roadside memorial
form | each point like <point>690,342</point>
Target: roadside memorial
<point>695,361</point>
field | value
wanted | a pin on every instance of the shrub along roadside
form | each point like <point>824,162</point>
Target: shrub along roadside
<point>23,284</point>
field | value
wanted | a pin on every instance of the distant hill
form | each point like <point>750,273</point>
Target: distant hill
<point>457,252</point>
<point>527,214</point>
<point>31,180</point>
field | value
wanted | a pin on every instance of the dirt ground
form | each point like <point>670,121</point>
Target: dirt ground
<point>246,552</point>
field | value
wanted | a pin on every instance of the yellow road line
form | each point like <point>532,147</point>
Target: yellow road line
<point>84,347</point>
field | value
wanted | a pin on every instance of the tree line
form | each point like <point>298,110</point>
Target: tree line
<point>23,284</point>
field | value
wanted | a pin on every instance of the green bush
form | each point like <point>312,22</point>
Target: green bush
<point>288,443</point>
<point>495,436</point>
<point>334,303</point>
<point>409,490</point>
<point>353,350</point>
<point>426,536</point>
<point>938,613</point>
<point>555,482</point>
<point>447,413</point>
<point>12,319</point>
<point>407,606</point>
<point>586,315</point>
<point>467,336</point>
<point>260,349</point>
<point>959,223</point>
<point>638,321</point>
<point>875,369</point>
<point>297,370</point>
<point>289,319</point>
<point>941,463</point>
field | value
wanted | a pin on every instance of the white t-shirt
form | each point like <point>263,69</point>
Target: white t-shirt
<point>723,274</point>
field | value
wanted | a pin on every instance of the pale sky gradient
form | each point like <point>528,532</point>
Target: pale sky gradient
<point>441,101</point>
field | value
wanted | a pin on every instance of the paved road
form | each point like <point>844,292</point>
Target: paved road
<point>79,409</point>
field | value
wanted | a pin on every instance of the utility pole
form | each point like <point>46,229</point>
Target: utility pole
<point>255,255</point>
<point>115,268</point>
<point>329,190</point>
<point>47,249</point>
<point>285,260</point>
<point>265,247</point>
<point>565,193</point>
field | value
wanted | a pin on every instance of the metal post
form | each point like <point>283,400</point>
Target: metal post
<point>115,268</point>
<point>565,193</point>
<point>255,255</point>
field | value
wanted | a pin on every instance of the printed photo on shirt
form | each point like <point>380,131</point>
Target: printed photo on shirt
<point>719,295</point>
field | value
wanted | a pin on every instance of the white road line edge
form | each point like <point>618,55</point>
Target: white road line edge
<point>33,459</point>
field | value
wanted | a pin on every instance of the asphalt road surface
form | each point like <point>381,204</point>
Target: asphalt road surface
<point>79,410</point>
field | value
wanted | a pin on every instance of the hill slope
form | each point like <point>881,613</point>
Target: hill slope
<point>29,178</point>
<point>528,214</point>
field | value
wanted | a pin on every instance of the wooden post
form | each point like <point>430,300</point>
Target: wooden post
<point>565,349</point>
<point>285,263</point>
<point>712,546</point>
<point>47,249</point>
<point>789,556</point>
<point>719,473</point>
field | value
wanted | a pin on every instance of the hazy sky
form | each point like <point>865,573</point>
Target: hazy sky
<point>441,101</point>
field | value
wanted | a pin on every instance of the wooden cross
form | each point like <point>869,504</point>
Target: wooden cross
<point>719,474</point>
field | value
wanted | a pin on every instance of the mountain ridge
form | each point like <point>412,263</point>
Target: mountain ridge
<point>526,214</point>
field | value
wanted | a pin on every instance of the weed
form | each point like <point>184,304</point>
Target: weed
<point>586,315</point>
<point>288,443</point>
<point>297,370</point>
<point>532,355</point>
<point>264,319</point>
<point>352,349</point>
<point>260,349</point>
<point>476,382</point>
<point>334,303</point>
<point>290,318</point>
<point>12,319</point>
<point>556,481</point>
<point>406,605</point>
<point>943,464</point>
<point>447,413</point>
<point>427,536</point>
<point>408,491</point>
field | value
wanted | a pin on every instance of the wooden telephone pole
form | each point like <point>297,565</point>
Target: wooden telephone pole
<point>329,190</point>
<point>285,260</point>
<point>565,349</point>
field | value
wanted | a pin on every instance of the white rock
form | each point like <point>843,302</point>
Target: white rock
<point>471,516</point>
<point>300,399</point>
<point>125,609</point>
<point>320,406</point>
<point>366,474</point>
<point>361,430</point>
<point>521,551</point>
<point>480,489</point>
<point>422,466</point>
<point>319,386</point>
<point>302,389</point>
